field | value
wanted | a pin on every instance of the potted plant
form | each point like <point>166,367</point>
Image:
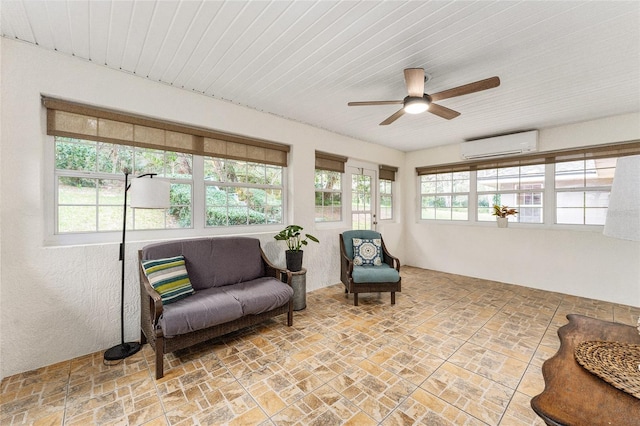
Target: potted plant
<point>295,240</point>
<point>502,214</point>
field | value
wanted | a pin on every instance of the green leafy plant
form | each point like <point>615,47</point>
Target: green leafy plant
<point>503,211</point>
<point>294,238</point>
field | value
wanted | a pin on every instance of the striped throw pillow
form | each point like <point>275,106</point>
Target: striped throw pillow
<point>169,278</point>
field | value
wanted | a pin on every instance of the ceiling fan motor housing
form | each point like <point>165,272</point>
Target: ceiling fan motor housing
<point>416,105</point>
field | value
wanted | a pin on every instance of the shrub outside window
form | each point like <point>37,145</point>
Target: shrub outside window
<point>242,193</point>
<point>519,187</point>
<point>444,196</point>
<point>582,190</point>
<point>328,196</point>
<point>386,199</point>
<point>90,186</point>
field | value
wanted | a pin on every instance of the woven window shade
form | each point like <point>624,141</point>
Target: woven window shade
<point>619,149</point>
<point>387,172</point>
<point>331,162</point>
<point>80,121</point>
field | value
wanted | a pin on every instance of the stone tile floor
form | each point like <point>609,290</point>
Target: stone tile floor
<point>453,350</point>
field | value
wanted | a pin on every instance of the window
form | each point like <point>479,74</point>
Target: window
<point>242,193</point>
<point>582,190</point>
<point>329,170</point>
<point>90,186</point>
<point>328,196</point>
<point>445,196</point>
<point>386,199</point>
<point>387,176</point>
<point>519,187</point>
<point>577,183</point>
<point>240,179</point>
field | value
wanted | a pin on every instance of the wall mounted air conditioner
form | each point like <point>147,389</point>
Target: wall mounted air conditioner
<point>499,146</point>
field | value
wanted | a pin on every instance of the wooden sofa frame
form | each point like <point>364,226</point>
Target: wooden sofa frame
<point>151,310</point>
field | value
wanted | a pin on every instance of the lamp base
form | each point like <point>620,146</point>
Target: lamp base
<point>122,351</point>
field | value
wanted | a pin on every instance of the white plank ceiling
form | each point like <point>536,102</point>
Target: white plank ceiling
<point>559,62</point>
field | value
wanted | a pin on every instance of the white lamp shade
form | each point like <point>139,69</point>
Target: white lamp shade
<point>149,193</point>
<point>623,213</point>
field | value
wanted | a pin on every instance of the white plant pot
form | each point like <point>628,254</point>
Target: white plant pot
<point>503,222</point>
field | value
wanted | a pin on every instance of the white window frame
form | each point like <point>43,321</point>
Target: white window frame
<point>51,238</point>
<point>447,194</point>
<point>390,195</point>
<point>583,189</point>
<point>516,192</point>
<point>332,191</point>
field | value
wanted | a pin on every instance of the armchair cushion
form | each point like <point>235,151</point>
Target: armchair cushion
<point>375,274</point>
<point>169,278</point>
<point>367,251</point>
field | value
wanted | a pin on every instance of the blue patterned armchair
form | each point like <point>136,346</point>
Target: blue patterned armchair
<point>366,266</point>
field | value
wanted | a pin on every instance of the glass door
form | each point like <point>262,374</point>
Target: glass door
<point>363,198</point>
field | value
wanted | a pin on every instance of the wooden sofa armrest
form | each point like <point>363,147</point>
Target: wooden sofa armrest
<point>272,270</point>
<point>146,290</point>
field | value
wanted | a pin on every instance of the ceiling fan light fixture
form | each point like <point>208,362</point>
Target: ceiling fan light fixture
<point>413,105</point>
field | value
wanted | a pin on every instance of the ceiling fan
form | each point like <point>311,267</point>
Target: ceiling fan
<point>417,101</point>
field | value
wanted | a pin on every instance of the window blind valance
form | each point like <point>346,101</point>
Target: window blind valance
<point>387,172</point>
<point>618,149</point>
<point>331,162</point>
<point>70,119</point>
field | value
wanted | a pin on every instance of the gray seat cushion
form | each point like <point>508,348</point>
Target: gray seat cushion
<point>203,309</point>
<point>375,274</point>
<point>259,295</point>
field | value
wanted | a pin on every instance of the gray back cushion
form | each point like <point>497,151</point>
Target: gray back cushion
<point>348,236</point>
<point>213,262</point>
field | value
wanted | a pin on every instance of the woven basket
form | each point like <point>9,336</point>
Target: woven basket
<point>616,363</point>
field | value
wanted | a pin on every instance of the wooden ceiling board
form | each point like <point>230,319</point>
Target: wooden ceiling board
<point>174,36</point>
<point>230,44</point>
<point>39,23</point>
<point>142,16</point>
<point>99,24</point>
<point>164,15</point>
<point>559,62</point>
<point>78,18</point>
<point>301,46</point>
<point>15,22</point>
<point>253,57</point>
<point>120,24</point>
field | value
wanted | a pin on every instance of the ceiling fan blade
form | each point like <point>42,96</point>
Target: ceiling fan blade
<point>414,79</point>
<point>443,112</point>
<point>477,86</point>
<point>375,103</point>
<point>393,117</point>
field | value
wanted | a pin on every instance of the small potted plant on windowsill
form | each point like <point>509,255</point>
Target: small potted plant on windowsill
<point>502,214</point>
<point>295,240</point>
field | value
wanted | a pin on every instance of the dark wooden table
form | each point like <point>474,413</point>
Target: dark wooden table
<point>574,397</point>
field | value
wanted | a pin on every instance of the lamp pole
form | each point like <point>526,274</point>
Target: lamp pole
<point>124,349</point>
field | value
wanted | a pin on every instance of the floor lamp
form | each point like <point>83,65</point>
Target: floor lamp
<point>146,193</point>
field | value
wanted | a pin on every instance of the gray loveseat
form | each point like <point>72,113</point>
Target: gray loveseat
<point>234,285</point>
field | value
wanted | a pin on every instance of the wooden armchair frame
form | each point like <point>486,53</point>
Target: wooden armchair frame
<point>346,275</point>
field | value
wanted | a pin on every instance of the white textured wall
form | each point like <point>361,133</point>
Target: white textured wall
<point>579,261</point>
<point>60,302</point>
